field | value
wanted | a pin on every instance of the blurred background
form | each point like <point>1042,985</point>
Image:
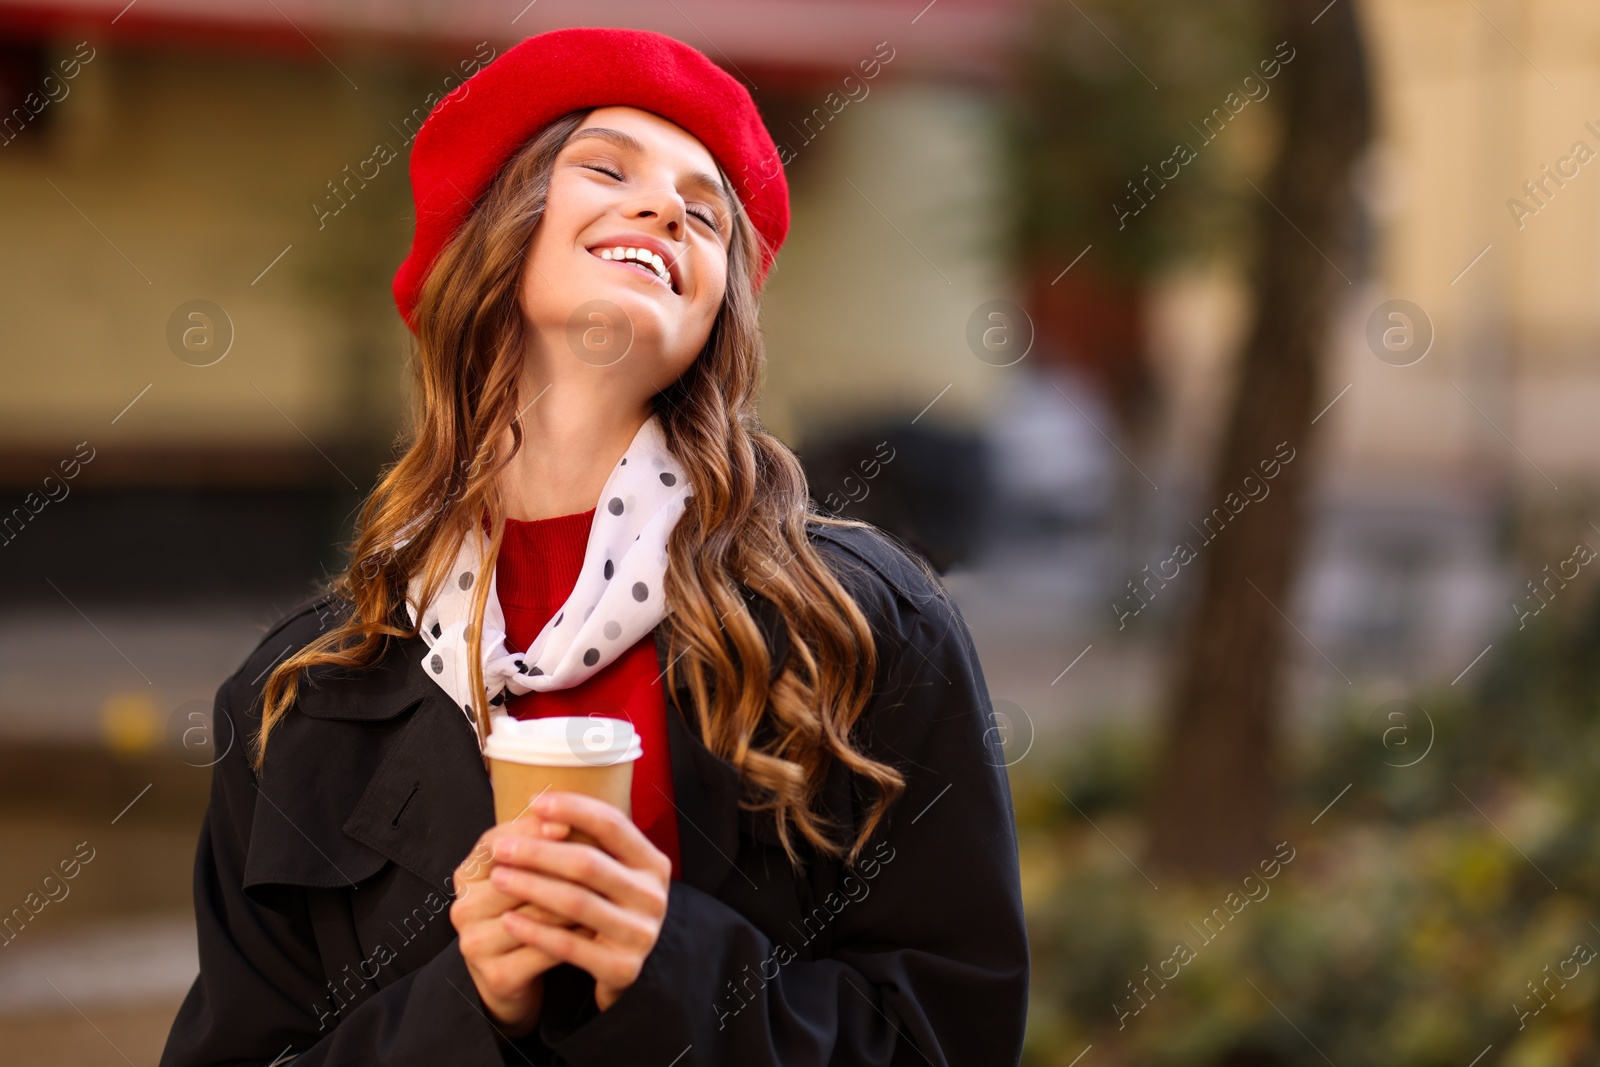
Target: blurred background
<point>1234,362</point>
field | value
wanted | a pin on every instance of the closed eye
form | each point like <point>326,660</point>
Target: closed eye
<point>708,218</point>
<point>705,215</point>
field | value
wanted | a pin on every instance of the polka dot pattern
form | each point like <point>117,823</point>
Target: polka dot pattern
<point>624,566</point>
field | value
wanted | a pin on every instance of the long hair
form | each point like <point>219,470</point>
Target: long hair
<point>744,525</point>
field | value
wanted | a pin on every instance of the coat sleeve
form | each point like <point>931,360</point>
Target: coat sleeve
<point>929,963</point>
<point>256,1000</point>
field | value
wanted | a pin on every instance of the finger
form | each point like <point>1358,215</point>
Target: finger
<point>556,901</point>
<point>523,826</point>
<point>479,899</point>
<point>544,915</point>
<point>480,860</point>
<point>528,962</point>
<point>528,807</point>
<point>609,965</point>
<point>519,917</point>
<point>471,868</point>
<point>487,939</point>
<point>491,849</point>
<point>579,905</point>
<point>518,967</point>
<point>604,822</point>
<point>491,902</point>
<point>587,866</point>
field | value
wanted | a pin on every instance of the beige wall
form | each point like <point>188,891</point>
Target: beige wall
<point>889,253</point>
<point>1468,116</point>
<point>1462,121</point>
<point>191,171</point>
<point>200,168</point>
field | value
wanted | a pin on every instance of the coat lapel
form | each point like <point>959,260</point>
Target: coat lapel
<point>429,800</point>
<point>421,796</point>
<point>356,778</point>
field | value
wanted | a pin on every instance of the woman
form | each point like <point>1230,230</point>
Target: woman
<point>821,863</point>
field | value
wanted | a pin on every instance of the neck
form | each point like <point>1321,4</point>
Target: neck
<point>572,439</point>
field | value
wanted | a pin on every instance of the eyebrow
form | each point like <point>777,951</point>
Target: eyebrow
<point>698,179</point>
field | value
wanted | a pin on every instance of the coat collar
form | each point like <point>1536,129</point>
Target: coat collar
<point>380,764</point>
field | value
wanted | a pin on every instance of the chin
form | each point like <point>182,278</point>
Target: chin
<point>649,320</point>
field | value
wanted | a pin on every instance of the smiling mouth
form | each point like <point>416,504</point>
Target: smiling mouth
<point>627,258</point>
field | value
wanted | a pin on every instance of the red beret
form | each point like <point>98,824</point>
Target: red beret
<point>475,130</point>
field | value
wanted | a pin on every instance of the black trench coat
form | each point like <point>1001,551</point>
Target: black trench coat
<point>322,888</point>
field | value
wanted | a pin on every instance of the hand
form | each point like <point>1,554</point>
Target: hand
<point>507,972</point>
<point>617,891</point>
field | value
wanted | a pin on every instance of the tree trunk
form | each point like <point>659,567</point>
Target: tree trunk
<point>1215,797</point>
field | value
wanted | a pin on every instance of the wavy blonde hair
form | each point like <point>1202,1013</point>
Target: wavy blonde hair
<point>744,525</point>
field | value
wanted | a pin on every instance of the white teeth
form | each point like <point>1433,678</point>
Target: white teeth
<point>643,256</point>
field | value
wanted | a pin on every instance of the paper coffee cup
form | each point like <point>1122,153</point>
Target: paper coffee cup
<point>585,754</point>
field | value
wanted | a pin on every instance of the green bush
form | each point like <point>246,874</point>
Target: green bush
<point>1412,924</point>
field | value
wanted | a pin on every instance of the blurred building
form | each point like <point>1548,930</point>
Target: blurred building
<point>1454,470</point>
<point>203,220</point>
<point>167,152</point>
<point>205,203</point>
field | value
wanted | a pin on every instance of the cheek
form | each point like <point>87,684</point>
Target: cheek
<point>694,330</point>
<point>537,260</point>
<point>547,274</point>
<point>712,305</point>
<point>534,294</point>
<point>705,316</point>
<point>568,208</point>
<point>716,288</point>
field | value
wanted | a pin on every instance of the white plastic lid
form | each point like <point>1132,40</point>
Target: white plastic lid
<point>563,741</point>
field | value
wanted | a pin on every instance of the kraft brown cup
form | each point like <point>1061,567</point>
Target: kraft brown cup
<point>517,785</point>
<point>518,777</point>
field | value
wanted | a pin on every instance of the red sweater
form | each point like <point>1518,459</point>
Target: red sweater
<point>535,573</point>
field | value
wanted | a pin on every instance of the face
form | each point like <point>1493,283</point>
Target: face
<point>628,179</point>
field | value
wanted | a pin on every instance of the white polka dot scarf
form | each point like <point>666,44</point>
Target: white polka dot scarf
<point>618,597</point>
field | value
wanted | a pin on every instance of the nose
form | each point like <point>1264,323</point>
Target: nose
<point>662,204</point>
